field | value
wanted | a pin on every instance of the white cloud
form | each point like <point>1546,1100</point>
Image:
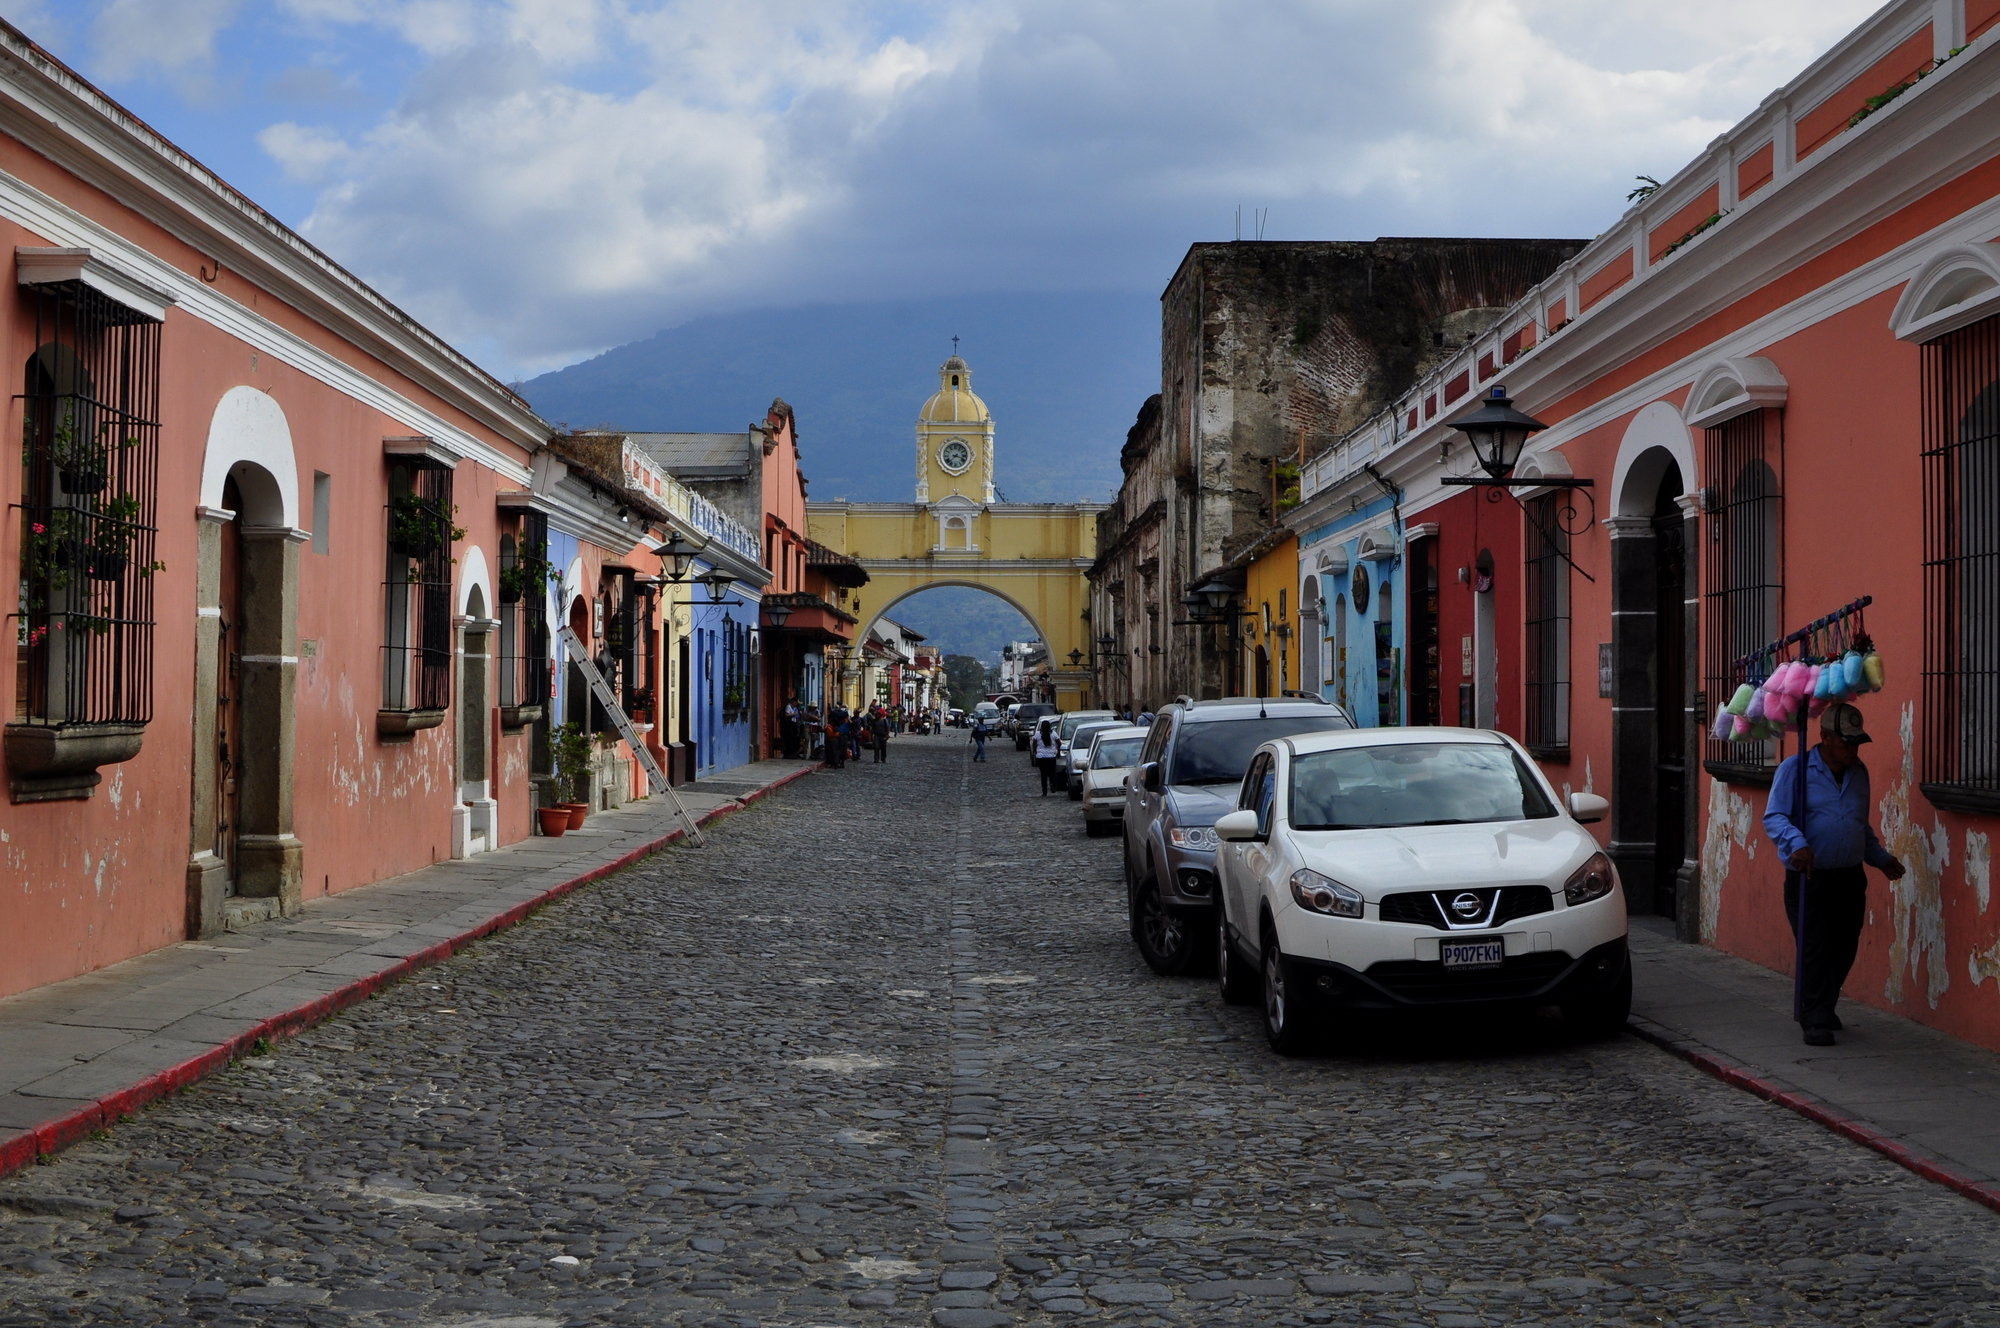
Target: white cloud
<point>175,39</point>
<point>565,176</point>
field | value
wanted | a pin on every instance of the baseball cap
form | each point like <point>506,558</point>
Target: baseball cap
<point>1843,721</point>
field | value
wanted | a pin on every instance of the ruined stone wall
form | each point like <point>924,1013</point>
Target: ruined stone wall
<point>1271,350</point>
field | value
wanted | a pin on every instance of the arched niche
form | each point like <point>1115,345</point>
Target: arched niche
<point>249,426</point>
<point>1731,387</point>
<point>1956,287</point>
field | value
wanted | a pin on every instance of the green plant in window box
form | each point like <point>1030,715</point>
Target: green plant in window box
<point>528,576</point>
<point>732,697</point>
<point>418,528</point>
<point>109,551</point>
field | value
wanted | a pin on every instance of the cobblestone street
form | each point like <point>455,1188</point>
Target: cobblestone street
<point>883,1053</point>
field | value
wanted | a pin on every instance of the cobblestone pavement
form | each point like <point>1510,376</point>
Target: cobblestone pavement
<point>883,1054</point>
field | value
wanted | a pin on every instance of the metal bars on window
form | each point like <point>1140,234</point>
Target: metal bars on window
<point>524,615</point>
<point>417,645</point>
<point>1960,753</point>
<point>89,460</point>
<point>1547,665</point>
<point>1743,598</point>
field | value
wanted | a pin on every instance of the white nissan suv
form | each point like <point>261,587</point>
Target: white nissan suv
<point>1396,868</point>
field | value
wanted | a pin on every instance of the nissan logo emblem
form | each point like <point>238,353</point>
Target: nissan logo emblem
<point>1468,905</point>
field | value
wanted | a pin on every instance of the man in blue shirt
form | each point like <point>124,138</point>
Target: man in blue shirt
<point>1818,818</point>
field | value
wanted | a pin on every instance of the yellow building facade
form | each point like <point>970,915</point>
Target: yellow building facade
<point>957,533</point>
<point>1270,632</point>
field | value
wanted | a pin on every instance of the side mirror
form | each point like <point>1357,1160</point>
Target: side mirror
<point>1589,807</point>
<point>1149,777</point>
<point>1238,827</point>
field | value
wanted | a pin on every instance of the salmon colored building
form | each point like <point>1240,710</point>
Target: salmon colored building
<point>1780,374</point>
<point>290,566</point>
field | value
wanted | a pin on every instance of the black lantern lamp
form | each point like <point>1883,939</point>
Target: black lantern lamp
<point>1498,432</point>
<point>1215,596</point>
<point>1075,658</point>
<point>677,553</point>
<point>776,614</point>
<point>717,583</point>
<point>1106,644</point>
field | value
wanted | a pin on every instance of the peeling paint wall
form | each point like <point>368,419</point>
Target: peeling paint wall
<point>1916,903</point>
<point>1733,824</point>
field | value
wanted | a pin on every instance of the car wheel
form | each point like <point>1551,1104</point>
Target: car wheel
<point>1233,978</point>
<point>1287,1025</point>
<point>1075,793</point>
<point>1165,940</point>
<point>1603,1015</point>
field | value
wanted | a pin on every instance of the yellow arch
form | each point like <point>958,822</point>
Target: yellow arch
<point>1032,555</point>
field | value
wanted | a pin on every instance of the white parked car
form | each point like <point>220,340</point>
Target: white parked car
<point>1102,768</point>
<point>1395,868</point>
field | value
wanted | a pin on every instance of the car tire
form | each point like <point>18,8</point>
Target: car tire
<point>1165,940</point>
<point>1603,1015</point>
<point>1234,979</point>
<point>1288,1027</point>
<point>1075,793</point>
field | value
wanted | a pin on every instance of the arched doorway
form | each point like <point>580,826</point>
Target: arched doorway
<point>1652,705</point>
<point>968,621</point>
<point>245,864</point>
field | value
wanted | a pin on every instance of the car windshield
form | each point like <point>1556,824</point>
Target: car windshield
<point>1115,753</point>
<point>1072,722</point>
<point>1080,740</point>
<point>1426,783</point>
<point>1218,752</point>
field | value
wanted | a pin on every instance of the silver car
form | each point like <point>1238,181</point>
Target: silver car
<point>1108,756</point>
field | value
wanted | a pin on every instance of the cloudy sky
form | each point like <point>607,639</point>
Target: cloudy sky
<point>541,179</point>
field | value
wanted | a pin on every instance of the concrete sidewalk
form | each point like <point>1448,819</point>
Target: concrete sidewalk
<point>1916,1095</point>
<point>77,1055</point>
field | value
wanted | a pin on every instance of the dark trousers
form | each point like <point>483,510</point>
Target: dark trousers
<point>1050,779</point>
<point>1836,904</point>
<point>881,750</point>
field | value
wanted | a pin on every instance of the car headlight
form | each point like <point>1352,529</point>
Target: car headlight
<point>1194,836</point>
<point>1593,880</point>
<point>1323,894</point>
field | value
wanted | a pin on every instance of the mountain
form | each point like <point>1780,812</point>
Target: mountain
<point>961,620</point>
<point>1064,375</point>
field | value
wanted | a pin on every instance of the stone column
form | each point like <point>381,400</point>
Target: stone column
<point>207,872</point>
<point>270,861</point>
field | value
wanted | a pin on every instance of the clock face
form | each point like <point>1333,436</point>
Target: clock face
<point>955,455</point>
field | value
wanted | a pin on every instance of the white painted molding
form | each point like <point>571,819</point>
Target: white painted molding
<point>1731,387</point>
<point>473,571</point>
<point>1657,431</point>
<point>420,447</point>
<point>1957,287</point>
<point>39,267</point>
<point>249,428</point>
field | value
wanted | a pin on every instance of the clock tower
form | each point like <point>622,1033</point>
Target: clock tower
<point>955,442</point>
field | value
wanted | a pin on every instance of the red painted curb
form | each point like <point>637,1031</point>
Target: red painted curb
<point>27,1146</point>
<point>1981,1192</point>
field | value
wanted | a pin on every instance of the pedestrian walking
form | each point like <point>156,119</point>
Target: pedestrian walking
<point>879,734</point>
<point>836,735</point>
<point>978,738</point>
<point>1818,819</point>
<point>789,726</point>
<point>1047,748</point>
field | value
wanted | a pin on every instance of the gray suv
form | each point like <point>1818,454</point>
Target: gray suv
<point>1187,776</point>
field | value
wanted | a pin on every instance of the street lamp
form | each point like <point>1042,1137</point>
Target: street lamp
<point>677,553</point>
<point>776,614</point>
<point>1497,432</point>
<point>1075,658</point>
<point>717,582</point>
<point>1215,596</point>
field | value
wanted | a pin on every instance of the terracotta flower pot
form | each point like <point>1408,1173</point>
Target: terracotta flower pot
<point>554,820</point>
<point>576,813</point>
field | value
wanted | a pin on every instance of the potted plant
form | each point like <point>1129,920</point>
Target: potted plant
<point>80,461</point>
<point>527,576</point>
<point>571,747</point>
<point>109,550</point>
<point>417,528</point>
<point>554,821</point>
